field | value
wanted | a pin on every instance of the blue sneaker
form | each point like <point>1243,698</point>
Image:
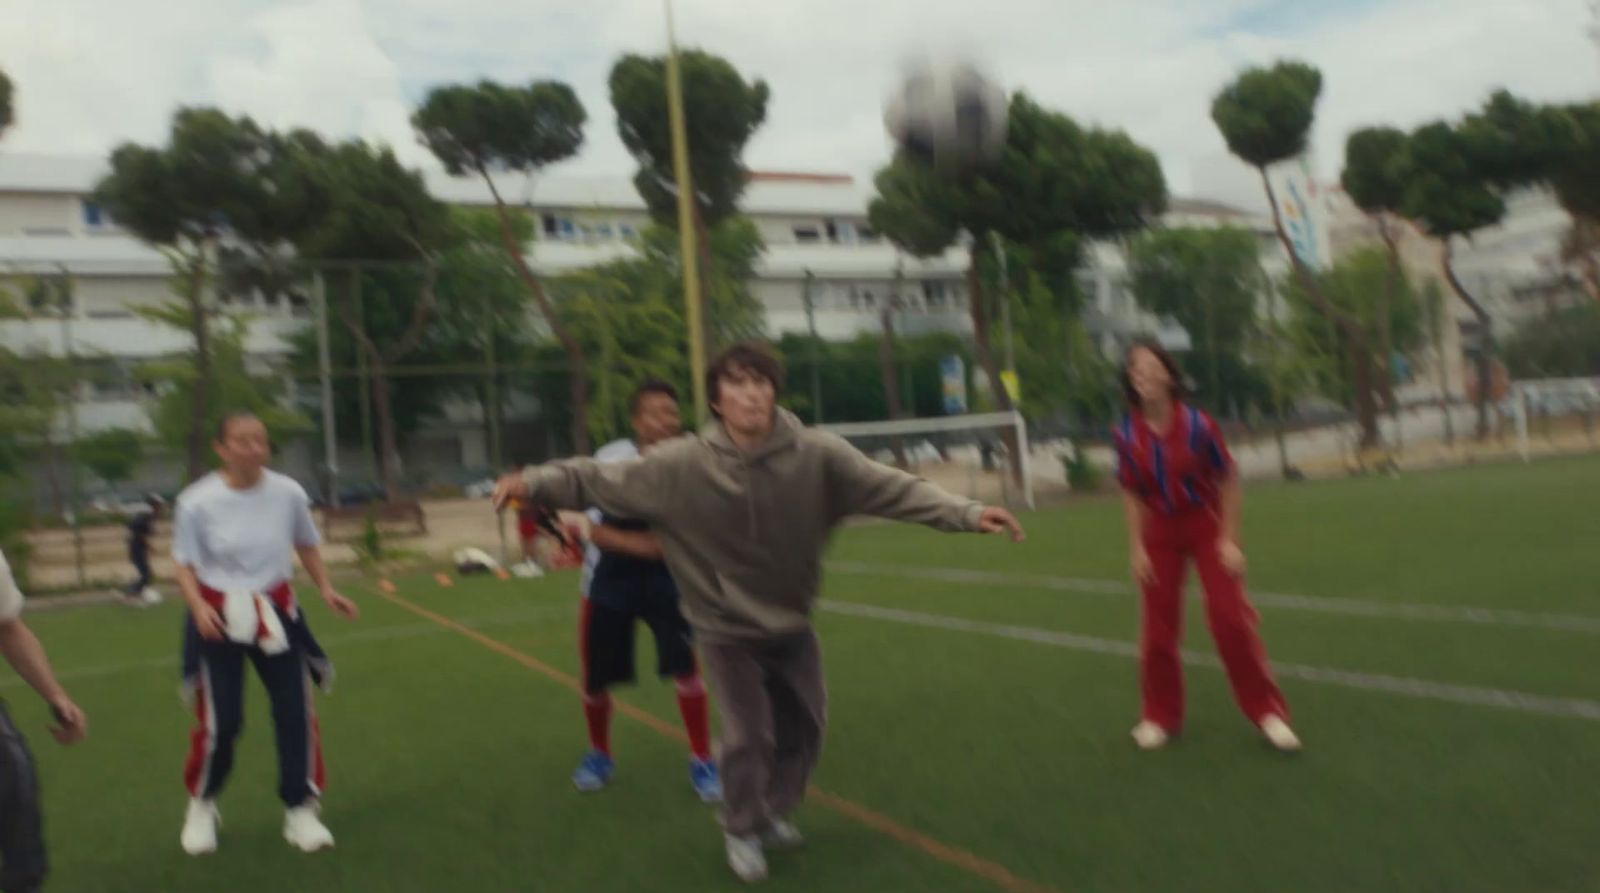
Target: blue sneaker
<point>707,783</point>
<point>593,773</point>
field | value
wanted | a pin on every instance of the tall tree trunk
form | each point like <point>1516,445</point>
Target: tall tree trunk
<point>1589,272</point>
<point>1442,357</point>
<point>979,307</point>
<point>575,358</point>
<point>388,444</point>
<point>891,381</point>
<point>1361,370</point>
<point>1385,309</point>
<point>200,393</point>
<point>1485,363</point>
<point>378,363</point>
<point>1581,248</point>
<point>52,475</point>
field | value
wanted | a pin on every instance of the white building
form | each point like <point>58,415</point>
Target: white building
<point>1513,269</point>
<point>819,245</point>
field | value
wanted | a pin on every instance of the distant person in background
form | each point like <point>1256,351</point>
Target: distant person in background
<point>528,517</point>
<point>141,527</point>
<point>22,855</point>
<point>1182,498</point>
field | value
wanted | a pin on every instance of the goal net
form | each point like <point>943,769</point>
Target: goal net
<point>984,456</point>
<point>1555,415</point>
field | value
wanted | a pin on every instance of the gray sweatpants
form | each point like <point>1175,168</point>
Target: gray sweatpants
<point>773,704</point>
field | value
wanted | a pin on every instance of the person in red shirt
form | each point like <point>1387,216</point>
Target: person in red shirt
<point>1182,497</point>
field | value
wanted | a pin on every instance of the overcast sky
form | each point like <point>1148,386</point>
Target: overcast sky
<point>91,73</point>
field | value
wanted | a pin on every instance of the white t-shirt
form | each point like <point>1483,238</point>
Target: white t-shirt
<point>616,451</point>
<point>242,540</point>
<point>10,595</point>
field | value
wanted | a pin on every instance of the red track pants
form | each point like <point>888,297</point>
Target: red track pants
<point>1170,541</point>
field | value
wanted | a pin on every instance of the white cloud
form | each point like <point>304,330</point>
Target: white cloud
<point>93,72</point>
<point>315,64</point>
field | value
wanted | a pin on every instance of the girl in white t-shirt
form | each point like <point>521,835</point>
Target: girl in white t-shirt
<point>235,534</point>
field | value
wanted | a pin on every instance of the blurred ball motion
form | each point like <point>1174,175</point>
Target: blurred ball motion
<point>949,114</point>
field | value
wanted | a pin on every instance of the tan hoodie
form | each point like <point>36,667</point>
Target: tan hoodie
<point>743,533</point>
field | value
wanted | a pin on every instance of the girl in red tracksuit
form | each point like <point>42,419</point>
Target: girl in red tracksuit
<point>1181,493</point>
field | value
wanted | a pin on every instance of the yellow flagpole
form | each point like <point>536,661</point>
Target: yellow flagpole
<point>689,259</point>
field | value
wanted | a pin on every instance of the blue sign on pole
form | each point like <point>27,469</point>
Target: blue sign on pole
<point>953,377</point>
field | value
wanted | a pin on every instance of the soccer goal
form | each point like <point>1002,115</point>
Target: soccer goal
<point>1555,414</point>
<point>970,454</point>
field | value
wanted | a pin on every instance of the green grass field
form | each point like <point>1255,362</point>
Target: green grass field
<point>1458,752</point>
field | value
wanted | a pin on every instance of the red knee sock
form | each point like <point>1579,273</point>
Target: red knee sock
<point>597,712</point>
<point>696,715</point>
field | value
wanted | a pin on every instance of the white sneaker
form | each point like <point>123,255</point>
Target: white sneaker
<point>305,831</point>
<point>527,570</point>
<point>150,596</point>
<point>200,827</point>
<point>1150,736</point>
<point>746,858</point>
<point>782,835</point>
<point>1280,735</point>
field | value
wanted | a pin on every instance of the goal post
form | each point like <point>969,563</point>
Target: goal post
<point>949,447</point>
<point>1561,411</point>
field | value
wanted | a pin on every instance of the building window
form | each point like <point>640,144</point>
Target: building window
<point>933,294</point>
<point>867,235</point>
<point>626,230</point>
<point>559,227</point>
<point>96,217</point>
<point>807,234</point>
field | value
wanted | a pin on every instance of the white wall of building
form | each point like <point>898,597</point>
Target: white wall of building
<point>37,214</point>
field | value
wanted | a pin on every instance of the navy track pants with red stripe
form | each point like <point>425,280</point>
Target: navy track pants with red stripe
<point>219,714</point>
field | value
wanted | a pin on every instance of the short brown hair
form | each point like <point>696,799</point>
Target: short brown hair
<point>752,356</point>
<point>1179,389</point>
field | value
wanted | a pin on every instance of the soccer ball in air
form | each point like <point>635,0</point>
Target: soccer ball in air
<point>948,114</point>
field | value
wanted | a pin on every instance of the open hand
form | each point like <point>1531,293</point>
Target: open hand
<point>998,520</point>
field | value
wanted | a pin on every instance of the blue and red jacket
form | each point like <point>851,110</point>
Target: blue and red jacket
<point>1176,472</point>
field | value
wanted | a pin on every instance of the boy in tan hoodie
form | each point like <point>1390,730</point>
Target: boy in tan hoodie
<point>743,513</point>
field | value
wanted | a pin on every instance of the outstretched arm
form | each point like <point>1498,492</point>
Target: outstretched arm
<point>638,488</point>
<point>860,486</point>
